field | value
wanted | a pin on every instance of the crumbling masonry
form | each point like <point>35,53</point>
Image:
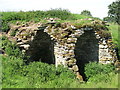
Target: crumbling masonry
<point>65,43</point>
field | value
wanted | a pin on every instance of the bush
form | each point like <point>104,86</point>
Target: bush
<point>102,81</point>
<point>93,68</point>
<point>35,75</point>
<point>59,13</point>
<point>39,72</point>
<point>86,12</point>
<point>11,64</point>
<point>100,77</point>
<point>8,17</point>
<point>41,75</point>
<point>10,48</point>
<point>11,72</point>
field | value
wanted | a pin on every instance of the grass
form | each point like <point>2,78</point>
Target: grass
<point>114,30</point>
<point>40,75</point>
<point>78,16</point>
<point>10,17</point>
<point>113,83</point>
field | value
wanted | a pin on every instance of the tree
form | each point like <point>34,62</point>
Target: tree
<point>86,12</point>
<point>114,11</point>
<point>109,19</point>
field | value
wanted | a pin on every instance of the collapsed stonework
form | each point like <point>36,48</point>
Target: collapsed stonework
<point>65,43</point>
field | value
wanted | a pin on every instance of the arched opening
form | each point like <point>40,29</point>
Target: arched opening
<point>86,50</point>
<point>41,48</point>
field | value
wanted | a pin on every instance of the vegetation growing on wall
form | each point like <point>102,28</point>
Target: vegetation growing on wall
<point>37,16</point>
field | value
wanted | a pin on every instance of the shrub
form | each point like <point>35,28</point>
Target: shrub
<point>59,13</point>
<point>34,75</point>
<point>86,12</point>
<point>10,48</point>
<point>42,72</point>
<point>11,69</point>
<point>102,81</point>
<point>100,77</point>
<point>93,68</point>
<point>9,17</point>
<point>11,64</point>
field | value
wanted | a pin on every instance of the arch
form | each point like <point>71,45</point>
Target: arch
<point>86,50</point>
<point>41,48</point>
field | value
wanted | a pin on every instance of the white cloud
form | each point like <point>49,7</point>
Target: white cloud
<point>98,8</point>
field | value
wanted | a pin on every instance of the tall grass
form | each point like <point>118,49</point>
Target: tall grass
<point>114,29</point>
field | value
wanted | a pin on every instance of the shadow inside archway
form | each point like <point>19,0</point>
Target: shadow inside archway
<point>86,50</point>
<point>41,48</point>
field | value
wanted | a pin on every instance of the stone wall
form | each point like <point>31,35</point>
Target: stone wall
<point>65,43</point>
<point>107,53</point>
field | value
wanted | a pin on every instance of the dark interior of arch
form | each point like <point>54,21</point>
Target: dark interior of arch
<point>86,50</point>
<point>41,48</point>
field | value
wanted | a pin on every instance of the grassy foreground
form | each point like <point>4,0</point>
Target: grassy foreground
<point>41,75</point>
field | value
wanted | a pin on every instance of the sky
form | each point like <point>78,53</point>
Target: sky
<point>98,8</point>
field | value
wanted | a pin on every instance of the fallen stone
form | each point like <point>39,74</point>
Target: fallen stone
<point>75,68</point>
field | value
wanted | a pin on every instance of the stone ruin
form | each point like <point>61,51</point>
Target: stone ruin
<point>66,44</point>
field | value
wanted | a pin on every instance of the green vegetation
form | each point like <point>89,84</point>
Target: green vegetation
<point>10,48</point>
<point>93,69</point>
<point>86,13</point>
<point>8,17</point>
<point>114,19</point>
<point>113,13</point>
<point>11,17</point>
<point>114,30</point>
<point>35,75</point>
<point>41,75</point>
<point>16,74</point>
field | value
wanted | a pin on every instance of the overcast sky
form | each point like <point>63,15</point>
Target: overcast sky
<point>98,8</point>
